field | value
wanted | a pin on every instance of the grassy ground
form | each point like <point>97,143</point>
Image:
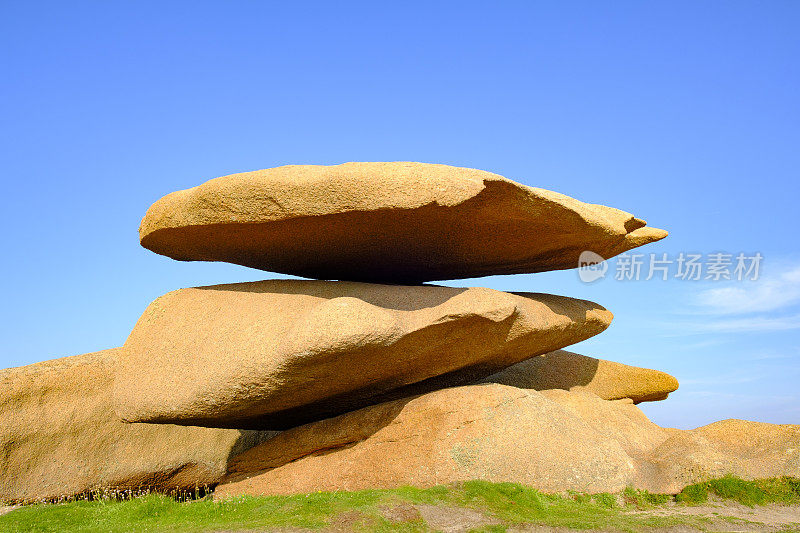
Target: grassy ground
<point>488,506</point>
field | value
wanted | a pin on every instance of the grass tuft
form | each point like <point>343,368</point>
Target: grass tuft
<point>606,500</point>
<point>783,490</point>
<point>643,499</point>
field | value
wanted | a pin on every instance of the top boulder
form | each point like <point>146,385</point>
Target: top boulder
<point>391,222</point>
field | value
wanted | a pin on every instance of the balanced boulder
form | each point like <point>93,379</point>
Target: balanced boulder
<point>571,371</point>
<point>59,437</point>
<point>277,354</point>
<point>385,222</point>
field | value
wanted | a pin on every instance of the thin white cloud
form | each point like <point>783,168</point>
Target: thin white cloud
<point>743,325</point>
<point>789,353</point>
<point>767,304</point>
<point>722,380</point>
<point>712,394</point>
<point>790,399</point>
<point>702,345</point>
<point>763,295</point>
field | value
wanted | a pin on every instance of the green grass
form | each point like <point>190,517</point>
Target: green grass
<point>760,492</point>
<point>506,503</point>
<point>643,499</point>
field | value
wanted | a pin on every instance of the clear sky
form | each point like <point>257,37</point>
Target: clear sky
<point>684,113</point>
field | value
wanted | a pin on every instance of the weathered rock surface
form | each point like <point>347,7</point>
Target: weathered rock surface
<point>553,440</point>
<point>277,354</point>
<point>491,432</point>
<point>751,450</point>
<point>618,420</point>
<point>385,222</point>
<point>571,371</point>
<point>59,437</point>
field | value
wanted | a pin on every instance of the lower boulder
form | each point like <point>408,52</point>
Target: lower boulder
<point>59,437</point>
<point>552,440</point>
<point>491,432</point>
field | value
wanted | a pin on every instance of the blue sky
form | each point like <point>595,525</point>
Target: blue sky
<point>684,113</point>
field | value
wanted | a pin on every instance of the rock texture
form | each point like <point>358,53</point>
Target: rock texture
<point>617,420</point>
<point>752,450</point>
<point>277,354</point>
<point>553,440</point>
<point>571,371</point>
<point>491,432</point>
<point>59,437</point>
<point>385,222</point>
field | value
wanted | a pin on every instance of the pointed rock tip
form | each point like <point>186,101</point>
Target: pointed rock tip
<point>646,235</point>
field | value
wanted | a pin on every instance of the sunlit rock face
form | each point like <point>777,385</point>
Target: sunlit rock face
<point>277,354</point>
<point>554,440</point>
<point>571,371</point>
<point>60,438</point>
<point>397,222</point>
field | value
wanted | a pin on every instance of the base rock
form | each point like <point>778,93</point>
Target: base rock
<point>751,450</point>
<point>491,432</point>
<point>553,440</point>
<point>59,437</point>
